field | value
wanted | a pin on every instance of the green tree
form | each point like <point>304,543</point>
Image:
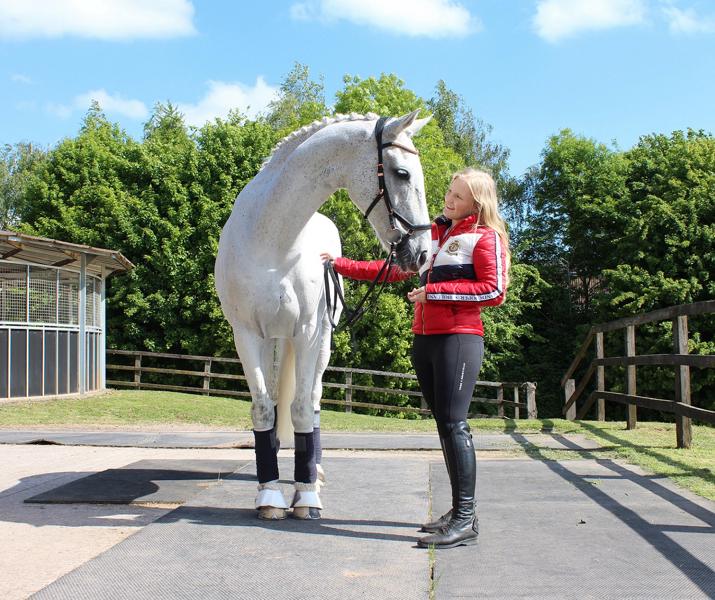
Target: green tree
<point>300,101</point>
<point>467,136</point>
<point>17,163</point>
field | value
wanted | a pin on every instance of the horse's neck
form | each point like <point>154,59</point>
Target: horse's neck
<point>307,178</point>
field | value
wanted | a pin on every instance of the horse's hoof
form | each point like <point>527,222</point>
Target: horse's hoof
<point>271,513</point>
<point>306,513</point>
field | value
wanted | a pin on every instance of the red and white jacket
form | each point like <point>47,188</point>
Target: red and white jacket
<point>467,269</point>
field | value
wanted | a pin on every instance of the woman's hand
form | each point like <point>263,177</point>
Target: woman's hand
<point>417,295</point>
<point>326,257</point>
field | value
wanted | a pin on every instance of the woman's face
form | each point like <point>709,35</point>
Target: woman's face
<point>458,201</point>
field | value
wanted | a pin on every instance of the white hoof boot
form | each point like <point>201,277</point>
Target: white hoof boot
<point>270,502</point>
<point>306,502</point>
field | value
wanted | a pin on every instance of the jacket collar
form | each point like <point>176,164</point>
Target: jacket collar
<point>464,224</point>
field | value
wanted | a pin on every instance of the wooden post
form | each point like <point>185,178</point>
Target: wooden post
<point>516,400</point>
<point>207,377</point>
<point>600,377</point>
<point>631,388</point>
<point>683,425</point>
<point>138,371</point>
<point>569,389</point>
<point>500,402</point>
<point>531,400</point>
<point>348,392</point>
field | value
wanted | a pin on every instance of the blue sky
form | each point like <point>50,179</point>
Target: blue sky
<point>611,70</point>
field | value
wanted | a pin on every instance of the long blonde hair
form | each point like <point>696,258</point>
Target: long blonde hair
<point>486,204</point>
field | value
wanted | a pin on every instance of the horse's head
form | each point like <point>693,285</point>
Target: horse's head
<point>395,204</point>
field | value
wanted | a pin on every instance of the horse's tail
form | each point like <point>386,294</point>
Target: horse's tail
<point>286,392</point>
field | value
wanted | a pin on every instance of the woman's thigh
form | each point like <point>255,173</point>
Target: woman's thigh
<point>457,361</point>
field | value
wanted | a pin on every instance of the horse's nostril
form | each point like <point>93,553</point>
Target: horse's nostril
<point>423,258</point>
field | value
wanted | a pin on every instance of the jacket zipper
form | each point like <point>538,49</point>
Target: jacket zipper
<point>447,235</point>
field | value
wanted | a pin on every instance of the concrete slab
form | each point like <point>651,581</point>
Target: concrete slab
<point>578,529</point>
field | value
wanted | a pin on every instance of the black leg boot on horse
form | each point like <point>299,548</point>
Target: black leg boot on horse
<point>270,502</point>
<point>306,501</point>
<point>462,529</point>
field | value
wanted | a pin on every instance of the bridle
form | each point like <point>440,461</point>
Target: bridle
<point>394,237</point>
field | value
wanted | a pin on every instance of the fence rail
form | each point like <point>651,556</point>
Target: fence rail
<point>522,402</point>
<point>680,359</point>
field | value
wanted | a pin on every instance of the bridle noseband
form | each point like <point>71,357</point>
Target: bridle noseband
<point>394,237</point>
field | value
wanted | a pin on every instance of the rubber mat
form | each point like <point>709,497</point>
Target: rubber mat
<point>578,529</point>
<point>215,547</point>
<point>145,481</point>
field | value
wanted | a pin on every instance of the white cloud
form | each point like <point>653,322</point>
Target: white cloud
<point>223,97</point>
<point>111,104</point>
<point>20,78</point>
<point>687,21</point>
<point>429,18</point>
<point>559,19</point>
<point>103,19</point>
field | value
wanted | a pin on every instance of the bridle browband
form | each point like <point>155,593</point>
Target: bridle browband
<point>397,235</point>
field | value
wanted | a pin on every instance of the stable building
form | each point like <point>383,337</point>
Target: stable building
<point>52,316</point>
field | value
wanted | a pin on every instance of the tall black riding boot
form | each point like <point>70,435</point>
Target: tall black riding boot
<point>436,525</point>
<point>462,528</point>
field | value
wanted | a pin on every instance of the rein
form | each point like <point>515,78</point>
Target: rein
<point>353,315</point>
<point>394,237</point>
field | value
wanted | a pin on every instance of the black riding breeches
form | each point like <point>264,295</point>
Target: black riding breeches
<point>447,367</point>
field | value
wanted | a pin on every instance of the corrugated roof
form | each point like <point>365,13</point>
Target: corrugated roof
<point>20,247</point>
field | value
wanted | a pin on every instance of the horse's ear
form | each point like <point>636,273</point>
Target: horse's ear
<point>408,123</point>
<point>417,125</point>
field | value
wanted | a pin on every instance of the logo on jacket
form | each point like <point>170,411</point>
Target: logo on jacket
<point>453,247</point>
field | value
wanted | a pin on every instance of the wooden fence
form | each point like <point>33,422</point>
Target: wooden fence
<point>518,398</point>
<point>680,359</point>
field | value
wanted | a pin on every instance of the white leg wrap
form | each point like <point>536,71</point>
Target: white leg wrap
<point>269,494</point>
<point>306,495</point>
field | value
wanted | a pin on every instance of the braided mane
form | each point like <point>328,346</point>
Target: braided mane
<point>296,138</point>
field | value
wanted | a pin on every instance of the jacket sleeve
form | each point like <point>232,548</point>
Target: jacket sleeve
<point>490,271</point>
<point>367,270</point>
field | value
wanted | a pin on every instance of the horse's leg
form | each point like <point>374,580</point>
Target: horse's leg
<point>306,502</point>
<point>317,394</point>
<point>257,358</point>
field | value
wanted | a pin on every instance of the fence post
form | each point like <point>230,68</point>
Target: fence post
<point>683,425</point>
<point>600,377</point>
<point>348,392</point>
<point>569,389</point>
<point>207,377</point>
<point>516,401</point>
<point>138,371</point>
<point>531,400</point>
<point>631,376</point>
<point>500,401</point>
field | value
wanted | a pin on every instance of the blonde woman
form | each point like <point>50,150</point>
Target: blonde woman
<point>468,269</point>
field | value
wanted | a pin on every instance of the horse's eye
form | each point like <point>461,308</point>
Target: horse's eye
<point>402,173</point>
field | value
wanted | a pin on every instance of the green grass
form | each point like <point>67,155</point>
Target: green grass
<point>650,446</point>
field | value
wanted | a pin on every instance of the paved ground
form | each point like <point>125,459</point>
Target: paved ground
<point>569,529</point>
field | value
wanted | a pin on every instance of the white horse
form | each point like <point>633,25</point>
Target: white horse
<point>269,275</point>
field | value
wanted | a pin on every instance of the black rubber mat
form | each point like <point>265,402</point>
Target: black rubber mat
<point>145,481</point>
<point>215,548</point>
<point>579,530</point>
